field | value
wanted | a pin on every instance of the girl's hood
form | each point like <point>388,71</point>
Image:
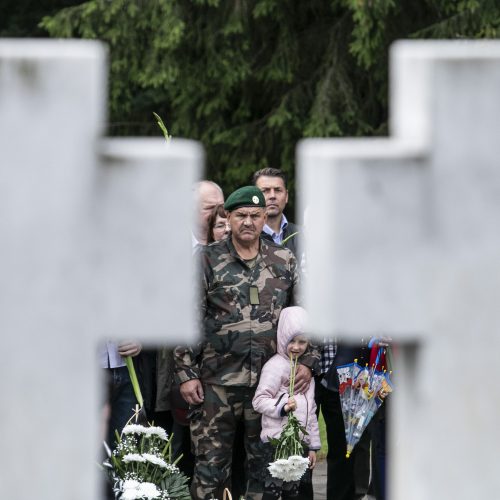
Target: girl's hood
<point>292,322</point>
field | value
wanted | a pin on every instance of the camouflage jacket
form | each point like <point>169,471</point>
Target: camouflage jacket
<point>239,334</point>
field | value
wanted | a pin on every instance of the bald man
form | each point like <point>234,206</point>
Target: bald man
<point>208,194</point>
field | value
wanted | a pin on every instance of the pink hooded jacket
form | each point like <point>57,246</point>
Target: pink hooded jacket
<point>272,392</point>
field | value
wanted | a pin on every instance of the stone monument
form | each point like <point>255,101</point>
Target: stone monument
<point>412,250</point>
<point>95,244</point>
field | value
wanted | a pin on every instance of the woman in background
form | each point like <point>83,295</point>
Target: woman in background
<point>218,227</point>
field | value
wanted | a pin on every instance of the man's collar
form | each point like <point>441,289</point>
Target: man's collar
<point>268,230</point>
<point>263,248</point>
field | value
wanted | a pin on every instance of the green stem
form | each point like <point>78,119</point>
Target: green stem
<point>162,127</point>
<point>289,238</point>
<point>133,378</point>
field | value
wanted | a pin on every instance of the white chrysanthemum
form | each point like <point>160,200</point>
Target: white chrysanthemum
<point>133,457</point>
<point>130,483</point>
<point>279,468</point>
<point>148,457</point>
<point>130,495</point>
<point>134,429</point>
<point>299,466</point>
<point>149,490</point>
<point>156,431</point>
<point>130,490</point>
<point>291,469</point>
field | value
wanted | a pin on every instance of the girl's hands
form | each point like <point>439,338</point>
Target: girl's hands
<point>312,459</point>
<point>291,405</point>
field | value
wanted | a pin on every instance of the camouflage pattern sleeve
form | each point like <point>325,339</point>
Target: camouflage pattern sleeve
<point>186,367</point>
<point>186,358</point>
<point>294,269</point>
<point>311,359</point>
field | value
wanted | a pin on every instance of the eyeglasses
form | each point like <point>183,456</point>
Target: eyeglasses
<point>221,225</point>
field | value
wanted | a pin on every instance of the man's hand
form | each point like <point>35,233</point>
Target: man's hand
<point>129,348</point>
<point>303,377</point>
<point>192,391</point>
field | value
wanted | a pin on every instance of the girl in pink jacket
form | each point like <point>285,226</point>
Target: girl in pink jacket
<point>271,398</point>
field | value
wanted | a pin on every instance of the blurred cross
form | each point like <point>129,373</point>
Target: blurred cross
<point>403,240</point>
<point>95,243</point>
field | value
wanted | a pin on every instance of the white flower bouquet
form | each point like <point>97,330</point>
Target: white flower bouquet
<point>289,464</point>
<point>141,466</point>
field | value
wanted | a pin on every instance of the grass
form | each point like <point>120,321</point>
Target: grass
<point>322,434</point>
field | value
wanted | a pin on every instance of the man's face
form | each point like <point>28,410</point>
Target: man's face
<point>247,223</point>
<point>275,193</point>
<point>209,197</point>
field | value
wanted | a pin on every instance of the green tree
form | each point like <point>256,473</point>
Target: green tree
<point>249,78</point>
<point>21,18</point>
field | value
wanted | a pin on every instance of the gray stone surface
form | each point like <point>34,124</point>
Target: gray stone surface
<point>412,250</point>
<point>319,480</point>
<point>95,244</point>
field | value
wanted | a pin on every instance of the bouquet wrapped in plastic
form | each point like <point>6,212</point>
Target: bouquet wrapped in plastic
<point>362,391</point>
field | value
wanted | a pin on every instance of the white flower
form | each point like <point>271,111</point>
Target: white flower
<point>130,483</point>
<point>134,490</point>
<point>156,431</point>
<point>134,429</point>
<point>147,431</point>
<point>291,469</point>
<point>149,490</point>
<point>173,468</point>
<point>130,489</point>
<point>154,460</point>
<point>133,457</point>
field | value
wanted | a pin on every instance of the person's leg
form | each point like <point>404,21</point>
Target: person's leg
<point>304,488</point>
<point>238,476</point>
<point>122,402</point>
<point>272,491</point>
<point>291,491</point>
<point>340,483</point>
<point>253,447</point>
<point>361,465</point>
<point>379,452</point>
<point>213,435</point>
<point>271,485</point>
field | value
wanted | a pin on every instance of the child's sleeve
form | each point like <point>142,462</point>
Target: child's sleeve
<point>268,400</point>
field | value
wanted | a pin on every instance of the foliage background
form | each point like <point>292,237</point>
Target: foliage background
<point>249,78</point>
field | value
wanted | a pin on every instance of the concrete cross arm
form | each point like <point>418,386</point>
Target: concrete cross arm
<point>142,215</point>
<point>386,217</point>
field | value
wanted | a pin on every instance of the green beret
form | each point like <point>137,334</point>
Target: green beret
<point>247,196</point>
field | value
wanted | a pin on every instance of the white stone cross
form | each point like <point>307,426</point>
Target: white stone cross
<point>403,238</point>
<point>95,243</point>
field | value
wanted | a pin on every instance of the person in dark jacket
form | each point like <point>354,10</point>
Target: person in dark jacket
<point>347,478</point>
<point>272,182</point>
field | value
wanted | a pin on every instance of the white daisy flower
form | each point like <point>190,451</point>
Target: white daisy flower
<point>148,457</point>
<point>156,431</point>
<point>134,429</point>
<point>149,490</point>
<point>133,457</point>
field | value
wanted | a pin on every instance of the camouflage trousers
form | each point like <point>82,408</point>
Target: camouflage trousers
<point>212,434</point>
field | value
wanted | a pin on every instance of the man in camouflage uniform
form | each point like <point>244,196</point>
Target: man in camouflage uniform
<point>246,282</point>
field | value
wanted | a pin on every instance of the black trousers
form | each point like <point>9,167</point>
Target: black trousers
<point>348,478</point>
